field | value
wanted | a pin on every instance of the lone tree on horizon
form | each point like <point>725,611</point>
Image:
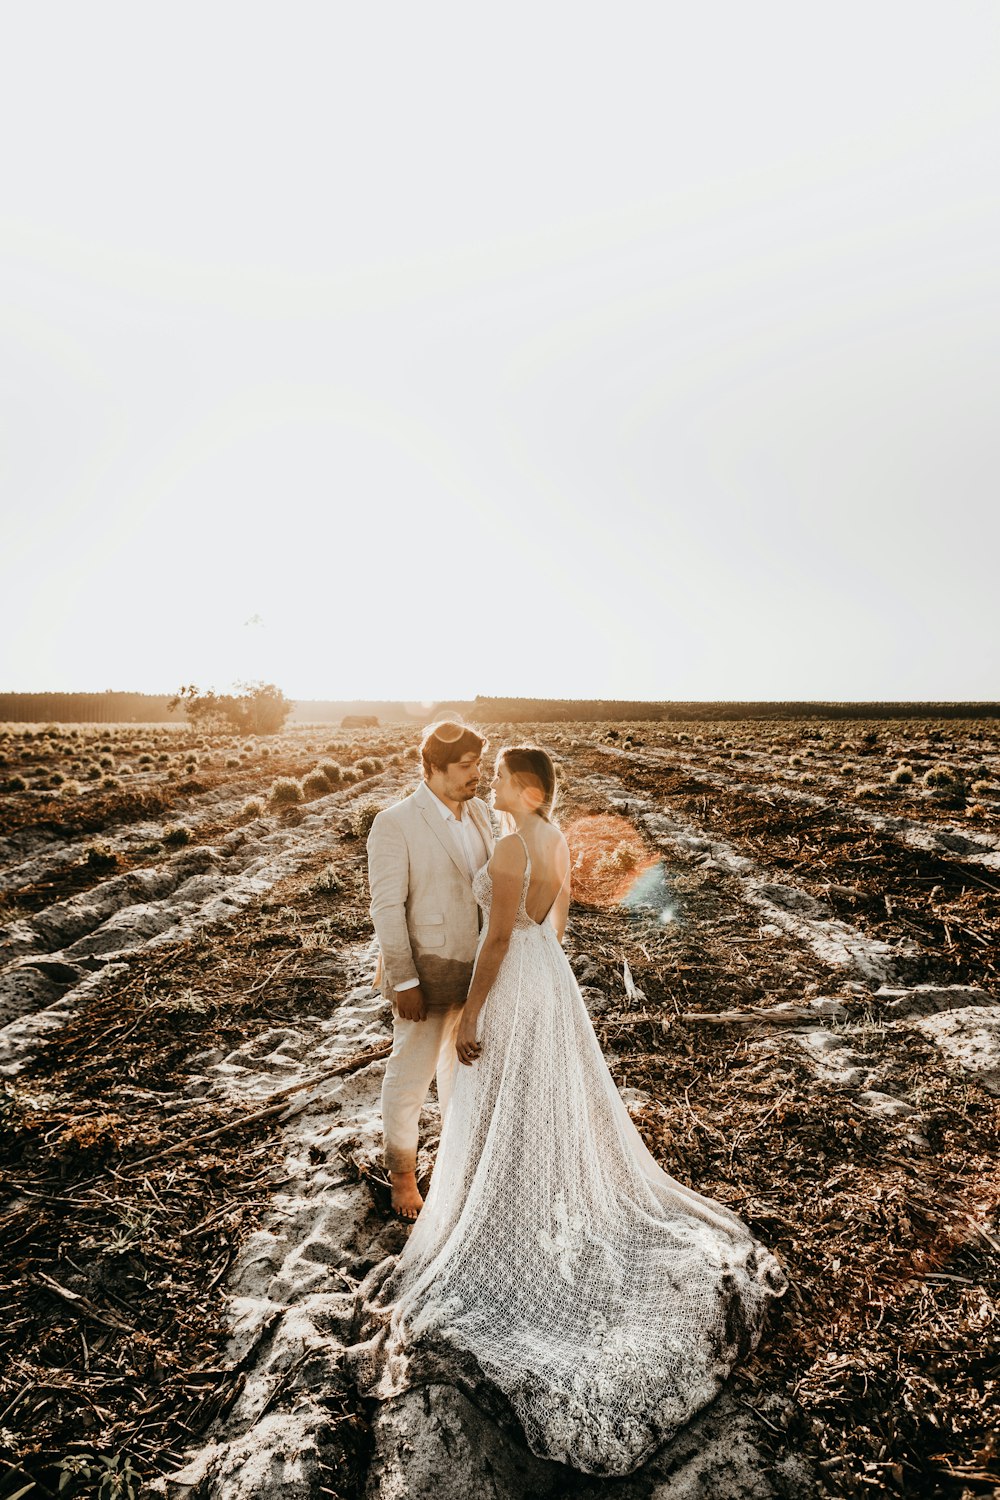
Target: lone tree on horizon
<point>261,708</point>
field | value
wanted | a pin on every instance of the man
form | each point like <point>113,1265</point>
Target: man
<point>422,855</point>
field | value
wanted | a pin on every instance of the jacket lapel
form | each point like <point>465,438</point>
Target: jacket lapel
<point>482,822</point>
<point>435,823</point>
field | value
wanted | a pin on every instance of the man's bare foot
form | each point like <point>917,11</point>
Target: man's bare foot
<point>406,1199</point>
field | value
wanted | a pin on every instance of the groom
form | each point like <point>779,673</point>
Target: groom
<point>422,855</point>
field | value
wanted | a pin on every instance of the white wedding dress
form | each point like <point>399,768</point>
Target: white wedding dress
<point>604,1299</point>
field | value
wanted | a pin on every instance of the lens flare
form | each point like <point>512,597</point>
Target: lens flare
<point>611,865</point>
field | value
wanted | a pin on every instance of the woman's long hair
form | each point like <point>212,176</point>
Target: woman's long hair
<point>531,767</point>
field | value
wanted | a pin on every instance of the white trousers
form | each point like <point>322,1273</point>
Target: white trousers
<point>420,1050</point>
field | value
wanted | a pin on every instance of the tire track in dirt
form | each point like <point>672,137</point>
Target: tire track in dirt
<point>962,1021</point>
<point>52,961</point>
<point>974,848</point>
<point>779,903</point>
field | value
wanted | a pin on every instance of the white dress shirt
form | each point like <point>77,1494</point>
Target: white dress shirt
<point>465,835</point>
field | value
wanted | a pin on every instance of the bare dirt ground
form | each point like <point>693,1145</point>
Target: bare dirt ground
<point>787,935</point>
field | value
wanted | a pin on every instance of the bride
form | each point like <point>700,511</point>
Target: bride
<point>605,1300</point>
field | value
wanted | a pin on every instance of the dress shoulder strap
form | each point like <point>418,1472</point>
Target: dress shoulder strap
<point>527,853</point>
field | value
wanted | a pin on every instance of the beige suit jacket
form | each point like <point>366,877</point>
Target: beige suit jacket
<point>426,918</point>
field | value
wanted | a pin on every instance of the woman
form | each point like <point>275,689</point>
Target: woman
<point>607,1301</point>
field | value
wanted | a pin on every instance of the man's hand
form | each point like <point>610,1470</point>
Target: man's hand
<point>411,1004</point>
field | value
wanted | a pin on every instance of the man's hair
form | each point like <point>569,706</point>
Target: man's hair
<point>445,742</point>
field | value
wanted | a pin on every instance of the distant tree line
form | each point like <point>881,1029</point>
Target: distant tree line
<point>109,707</point>
<point>542,710</point>
<point>112,707</point>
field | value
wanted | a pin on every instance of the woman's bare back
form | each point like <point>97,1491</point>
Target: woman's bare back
<point>549,854</point>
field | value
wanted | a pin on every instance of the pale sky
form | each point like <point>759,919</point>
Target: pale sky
<point>424,350</point>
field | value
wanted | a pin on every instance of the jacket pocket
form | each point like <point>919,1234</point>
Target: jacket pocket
<point>429,931</point>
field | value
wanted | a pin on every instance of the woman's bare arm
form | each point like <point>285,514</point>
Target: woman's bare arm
<point>507,874</point>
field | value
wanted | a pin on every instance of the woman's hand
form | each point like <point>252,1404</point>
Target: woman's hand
<point>466,1046</point>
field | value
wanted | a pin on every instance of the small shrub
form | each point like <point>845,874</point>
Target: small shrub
<point>619,861</point>
<point>107,762</point>
<point>983,788</point>
<point>902,775</point>
<point>252,809</point>
<point>101,859</point>
<point>795,760</point>
<point>412,753</point>
<point>111,782</point>
<point>18,783</point>
<point>975,810</point>
<point>176,836</point>
<point>328,881</point>
<point>285,792</point>
<point>361,816</point>
<point>940,775</point>
<point>332,770</point>
<point>867,792</point>
<point>231,761</point>
<point>315,784</point>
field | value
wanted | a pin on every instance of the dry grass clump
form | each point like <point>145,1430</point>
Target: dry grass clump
<point>941,775</point>
<point>983,788</point>
<point>624,858</point>
<point>101,859</point>
<point>332,770</point>
<point>315,784</point>
<point>285,792</point>
<point>252,809</point>
<point>867,792</point>
<point>903,775</point>
<point>360,817</point>
<point>327,882</point>
<point>176,836</point>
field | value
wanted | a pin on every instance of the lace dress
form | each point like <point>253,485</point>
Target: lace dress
<point>605,1300</point>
